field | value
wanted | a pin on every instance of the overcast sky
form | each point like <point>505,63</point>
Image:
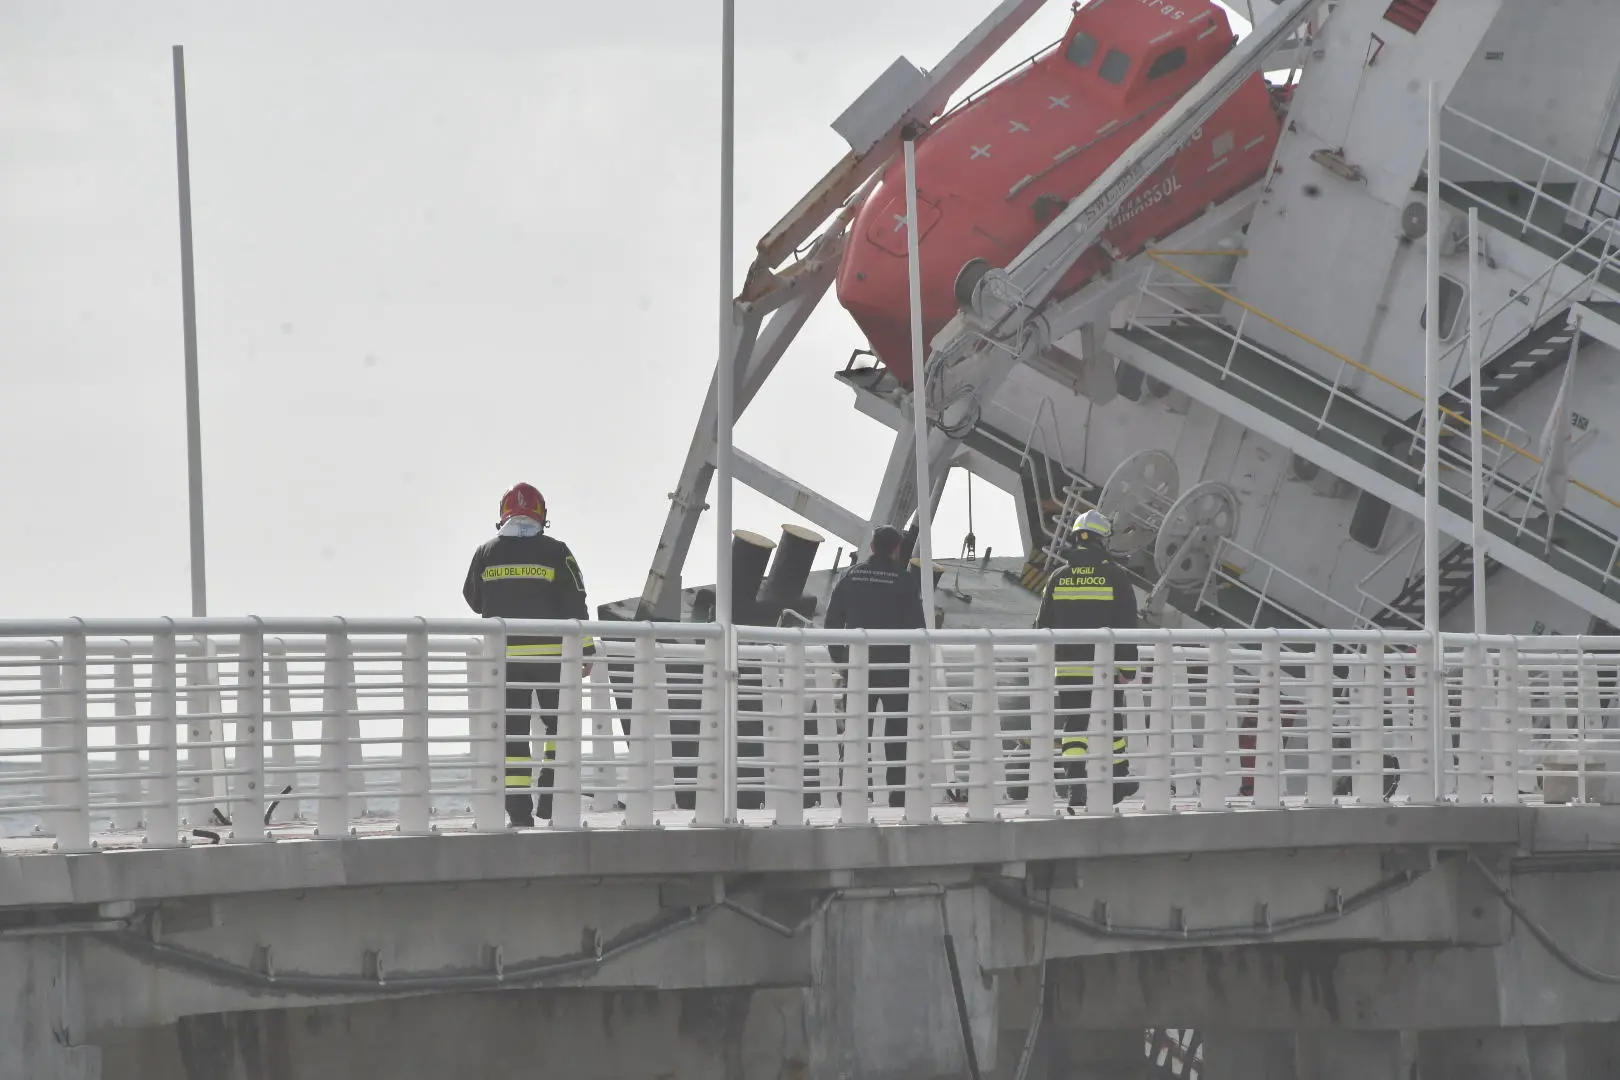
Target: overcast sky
<point>440,248</point>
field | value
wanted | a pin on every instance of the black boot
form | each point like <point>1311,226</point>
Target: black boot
<point>520,811</point>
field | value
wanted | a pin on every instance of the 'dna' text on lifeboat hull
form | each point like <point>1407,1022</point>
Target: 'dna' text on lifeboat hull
<point>992,174</point>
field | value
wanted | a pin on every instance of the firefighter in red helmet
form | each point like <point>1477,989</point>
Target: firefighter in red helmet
<point>521,573</point>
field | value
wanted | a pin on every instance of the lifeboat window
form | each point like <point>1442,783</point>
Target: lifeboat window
<point>1115,66</point>
<point>1169,62</point>
<point>1082,50</point>
<point>1451,305</point>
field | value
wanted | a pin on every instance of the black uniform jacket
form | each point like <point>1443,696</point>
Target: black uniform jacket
<point>527,577</point>
<point>1090,593</point>
<point>879,594</point>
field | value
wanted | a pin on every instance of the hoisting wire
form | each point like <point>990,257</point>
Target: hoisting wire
<point>970,543</point>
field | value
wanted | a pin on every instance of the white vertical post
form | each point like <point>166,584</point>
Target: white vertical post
<point>725,408</point>
<point>335,809</point>
<point>982,794</point>
<point>1319,726</point>
<point>415,773</point>
<point>1161,719</point>
<point>188,305</point>
<point>1476,426</point>
<point>1431,378</point>
<point>247,809</point>
<point>918,790</point>
<point>279,724</point>
<point>1268,728</point>
<point>70,737</point>
<point>1213,786</point>
<point>855,786</point>
<point>638,796</point>
<point>1042,732</point>
<point>919,386</point>
<point>710,757</point>
<point>128,738</point>
<point>486,725</point>
<point>163,818</point>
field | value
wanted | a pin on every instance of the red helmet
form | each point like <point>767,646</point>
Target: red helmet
<point>523,501</point>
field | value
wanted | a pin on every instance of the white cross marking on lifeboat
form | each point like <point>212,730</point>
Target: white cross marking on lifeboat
<point>1016,126</point>
<point>981,151</point>
<point>899,222</point>
<point>1058,102</point>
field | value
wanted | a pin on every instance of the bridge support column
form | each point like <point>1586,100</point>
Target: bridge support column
<point>888,1002</point>
<point>40,1012</point>
<point>1476,1054</point>
<point>1355,1055</point>
<point>1235,1054</point>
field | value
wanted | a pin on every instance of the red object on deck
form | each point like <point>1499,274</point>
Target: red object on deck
<point>992,174</point>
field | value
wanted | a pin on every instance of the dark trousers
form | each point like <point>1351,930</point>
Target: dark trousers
<point>1074,693</point>
<point>520,806</point>
<point>893,703</point>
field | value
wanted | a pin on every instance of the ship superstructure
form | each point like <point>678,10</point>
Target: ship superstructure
<point>1235,370</point>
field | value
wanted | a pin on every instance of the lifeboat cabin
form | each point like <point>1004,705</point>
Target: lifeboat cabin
<point>992,172</point>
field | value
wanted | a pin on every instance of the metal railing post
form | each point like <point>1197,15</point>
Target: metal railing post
<point>638,796</point>
<point>486,725</point>
<point>1268,727</point>
<point>334,813</point>
<point>1213,781</point>
<point>68,746</point>
<point>127,788</point>
<point>855,785</point>
<point>985,732</point>
<point>415,751</point>
<point>710,790</point>
<point>247,809</point>
<point>1319,726</point>
<point>162,780</point>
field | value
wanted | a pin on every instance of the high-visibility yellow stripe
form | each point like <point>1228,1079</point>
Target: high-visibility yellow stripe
<point>513,651</point>
<point>520,570</point>
<point>588,642</point>
<point>1083,592</point>
<point>1073,747</point>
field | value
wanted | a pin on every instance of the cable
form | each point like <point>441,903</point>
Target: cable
<point>963,1020</point>
<point>525,974</point>
<point>1104,929</point>
<point>1558,951</point>
<point>970,543</point>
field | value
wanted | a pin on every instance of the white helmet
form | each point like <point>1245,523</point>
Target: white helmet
<point>1091,525</point>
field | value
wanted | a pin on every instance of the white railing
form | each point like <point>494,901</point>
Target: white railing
<point>150,732</point>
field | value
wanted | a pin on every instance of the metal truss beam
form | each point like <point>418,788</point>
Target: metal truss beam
<point>758,351</point>
<point>805,501</point>
<point>925,98</point>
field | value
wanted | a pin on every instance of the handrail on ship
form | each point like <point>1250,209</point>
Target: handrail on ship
<point>1461,420</point>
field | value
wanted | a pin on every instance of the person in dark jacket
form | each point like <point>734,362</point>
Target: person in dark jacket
<point>882,594</point>
<point>521,573</point>
<point>1090,593</point>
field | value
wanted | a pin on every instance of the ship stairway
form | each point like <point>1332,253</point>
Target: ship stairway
<point>1513,363</point>
<point>1317,417</point>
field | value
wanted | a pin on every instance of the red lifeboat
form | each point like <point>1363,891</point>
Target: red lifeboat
<point>993,173</point>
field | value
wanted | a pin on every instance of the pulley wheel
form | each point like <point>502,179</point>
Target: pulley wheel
<point>1135,498</point>
<point>1211,503</point>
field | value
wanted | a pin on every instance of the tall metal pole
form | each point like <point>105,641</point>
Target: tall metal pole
<point>1431,379</point>
<point>1476,412</point>
<point>919,389</point>
<point>188,303</point>
<point>726,383</point>
<point>1431,459</point>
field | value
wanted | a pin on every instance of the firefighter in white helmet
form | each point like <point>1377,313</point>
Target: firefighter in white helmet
<point>1090,592</point>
